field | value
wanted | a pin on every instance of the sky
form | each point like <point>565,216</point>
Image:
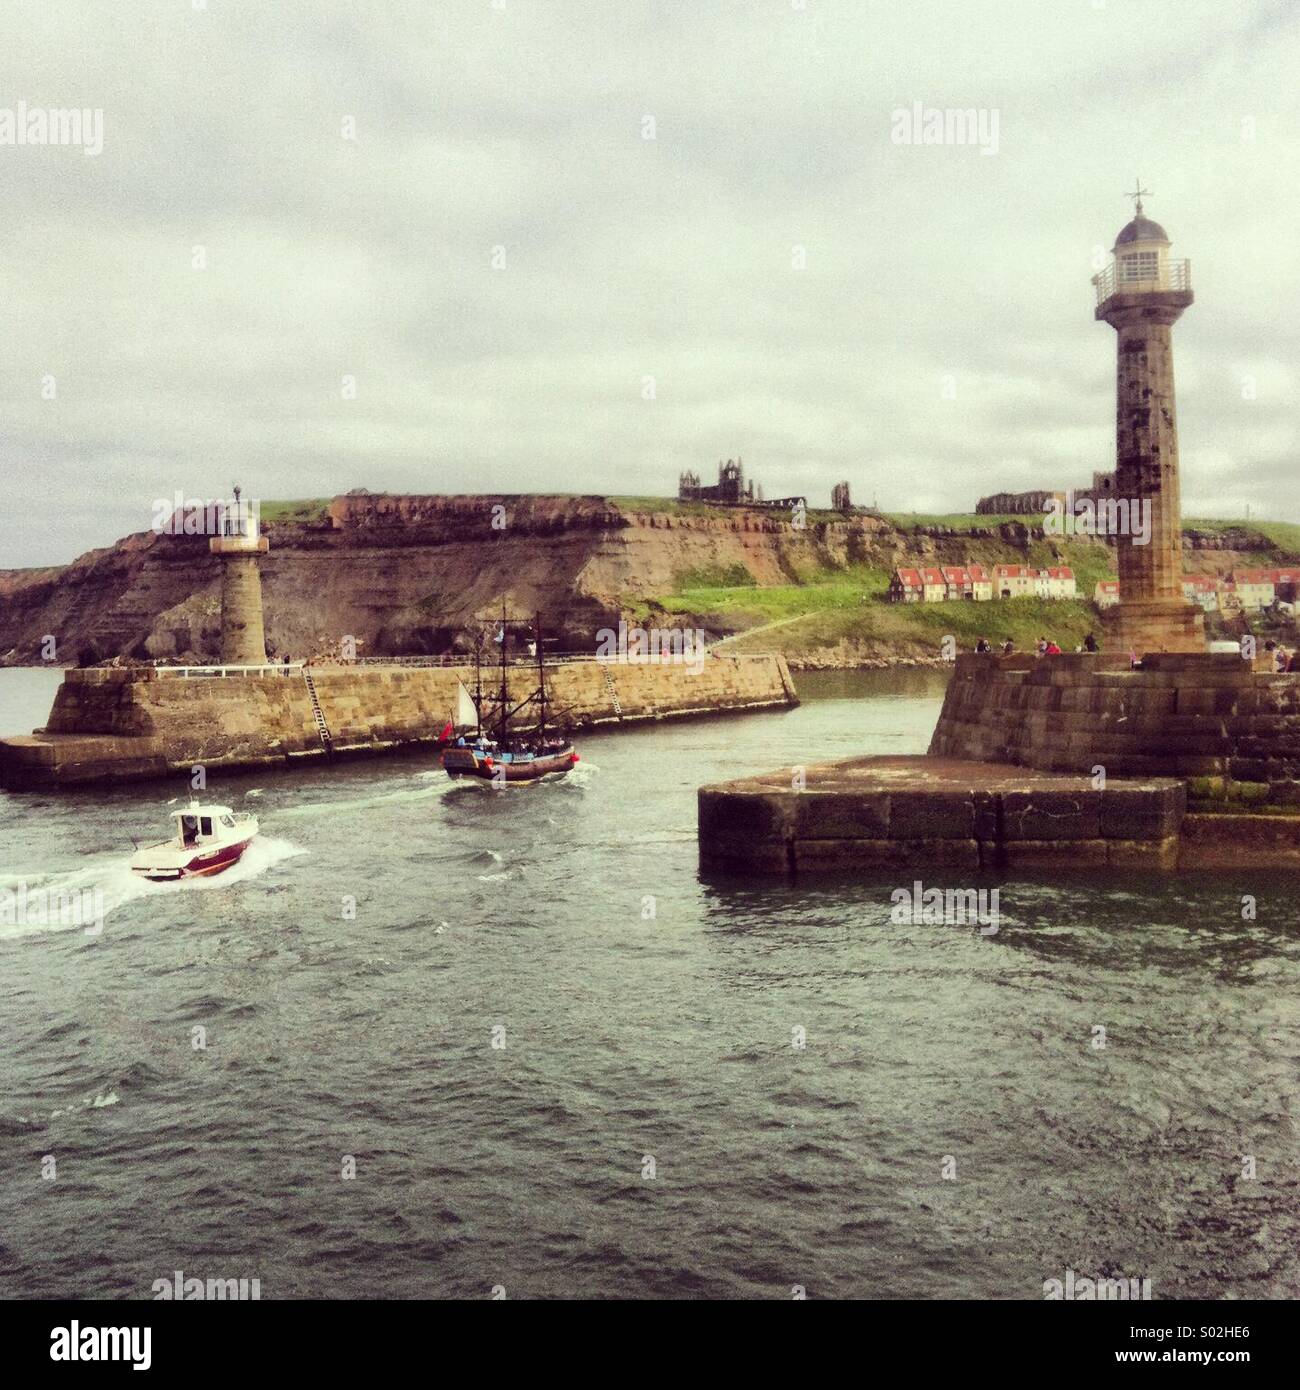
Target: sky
<point>582,245</point>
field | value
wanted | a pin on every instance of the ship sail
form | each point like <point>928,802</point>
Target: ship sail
<point>466,714</point>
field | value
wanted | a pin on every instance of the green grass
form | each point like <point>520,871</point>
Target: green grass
<point>916,629</point>
<point>669,506</point>
<point>715,577</point>
<point>957,521</point>
<point>306,509</point>
<point>750,604</point>
<point>851,605</point>
<point>1284,535</point>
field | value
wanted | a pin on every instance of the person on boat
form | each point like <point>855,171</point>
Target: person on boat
<point>982,647</point>
<point>1090,644</point>
<point>1008,648</point>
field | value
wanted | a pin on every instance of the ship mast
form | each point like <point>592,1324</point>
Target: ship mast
<point>541,682</point>
<point>478,682</point>
<point>503,725</point>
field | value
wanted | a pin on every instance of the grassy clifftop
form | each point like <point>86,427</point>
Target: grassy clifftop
<point>832,609</point>
<point>842,616</point>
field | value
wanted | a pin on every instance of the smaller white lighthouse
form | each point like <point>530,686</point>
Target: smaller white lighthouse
<point>243,636</point>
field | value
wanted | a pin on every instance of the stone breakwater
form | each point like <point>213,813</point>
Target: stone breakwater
<point>889,813</point>
<point>876,817</point>
<point>109,725</point>
<point>1060,763</point>
<point>1190,716</point>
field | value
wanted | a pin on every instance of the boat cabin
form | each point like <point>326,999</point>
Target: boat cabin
<point>195,823</point>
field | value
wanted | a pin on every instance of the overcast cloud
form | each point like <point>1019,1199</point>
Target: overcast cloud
<point>522,126</point>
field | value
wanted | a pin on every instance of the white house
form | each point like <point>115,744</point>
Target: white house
<point>1202,590</point>
<point>1254,589</point>
<point>1014,581</point>
<point>936,586</point>
<point>1057,582</point>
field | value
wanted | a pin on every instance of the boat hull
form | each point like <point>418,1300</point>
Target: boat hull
<point>469,762</point>
<point>203,864</point>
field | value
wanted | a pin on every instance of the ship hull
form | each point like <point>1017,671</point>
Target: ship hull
<point>487,767</point>
<point>202,865</point>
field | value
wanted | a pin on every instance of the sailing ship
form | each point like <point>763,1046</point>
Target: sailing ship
<point>498,752</point>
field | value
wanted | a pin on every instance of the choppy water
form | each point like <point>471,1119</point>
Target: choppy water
<point>627,1038</point>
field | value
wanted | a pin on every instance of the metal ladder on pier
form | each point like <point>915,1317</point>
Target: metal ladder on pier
<point>613,693</point>
<point>322,728</point>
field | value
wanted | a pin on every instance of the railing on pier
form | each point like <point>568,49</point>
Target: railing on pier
<point>1178,276</point>
<point>552,659</point>
<point>271,668</point>
<point>297,668</point>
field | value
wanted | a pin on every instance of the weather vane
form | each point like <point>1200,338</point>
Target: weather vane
<point>1136,195</point>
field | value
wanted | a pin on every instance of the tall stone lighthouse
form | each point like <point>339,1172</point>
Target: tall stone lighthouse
<point>243,637</point>
<point>1141,294</point>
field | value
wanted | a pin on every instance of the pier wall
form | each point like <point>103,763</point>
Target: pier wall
<point>132,723</point>
<point>1181,715</point>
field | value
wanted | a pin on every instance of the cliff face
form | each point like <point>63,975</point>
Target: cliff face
<point>398,574</point>
<point>408,574</point>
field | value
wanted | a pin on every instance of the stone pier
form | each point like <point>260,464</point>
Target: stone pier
<point>114,725</point>
<point>874,815</point>
<point>1191,761</point>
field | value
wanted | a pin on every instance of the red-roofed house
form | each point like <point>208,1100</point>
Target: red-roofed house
<point>936,586</point>
<point>1202,590</point>
<point>1254,588</point>
<point>906,587</point>
<point>1014,581</point>
<point>981,583</point>
<point>957,582</point>
<point>1106,594</point>
<point>1056,582</point>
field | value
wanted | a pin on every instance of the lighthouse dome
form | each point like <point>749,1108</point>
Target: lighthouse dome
<point>1141,229</point>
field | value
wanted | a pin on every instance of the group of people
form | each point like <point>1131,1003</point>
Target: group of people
<point>1283,660</point>
<point>1043,647</point>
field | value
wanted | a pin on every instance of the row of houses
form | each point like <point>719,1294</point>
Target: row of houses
<point>975,584</point>
<point>1246,591</point>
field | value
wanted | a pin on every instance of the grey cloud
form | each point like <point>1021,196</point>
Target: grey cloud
<point>626,257</point>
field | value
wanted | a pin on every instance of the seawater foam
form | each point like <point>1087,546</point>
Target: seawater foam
<point>113,880</point>
<point>362,803</point>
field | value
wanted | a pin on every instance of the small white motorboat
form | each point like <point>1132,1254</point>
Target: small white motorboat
<point>208,839</point>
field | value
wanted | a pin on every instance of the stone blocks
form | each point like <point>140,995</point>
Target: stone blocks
<point>870,815</point>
